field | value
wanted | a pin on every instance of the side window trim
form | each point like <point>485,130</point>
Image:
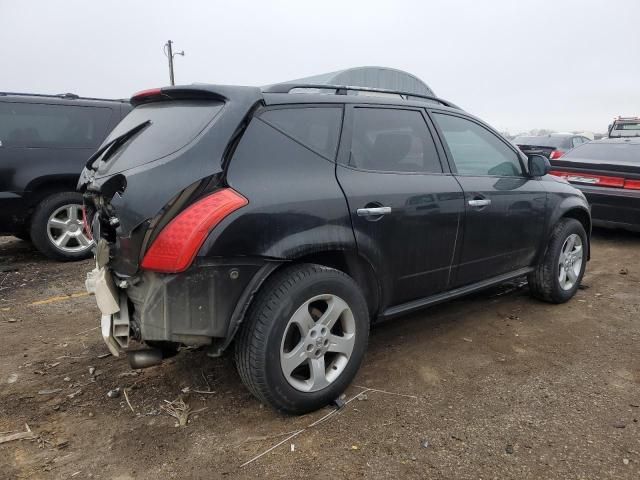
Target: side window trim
<point>344,149</point>
<point>259,113</point>
<point>449,155</point>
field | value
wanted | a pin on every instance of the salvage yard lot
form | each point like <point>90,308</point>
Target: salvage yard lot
<point>493,386</point>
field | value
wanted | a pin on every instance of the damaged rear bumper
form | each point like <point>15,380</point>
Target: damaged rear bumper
<point>201,306</point>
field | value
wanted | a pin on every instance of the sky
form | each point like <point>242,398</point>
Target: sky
<point>558,64</point>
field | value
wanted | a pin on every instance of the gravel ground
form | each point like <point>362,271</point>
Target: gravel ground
<point>493,386</point>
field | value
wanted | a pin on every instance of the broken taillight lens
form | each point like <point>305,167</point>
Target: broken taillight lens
<point>179,241</point>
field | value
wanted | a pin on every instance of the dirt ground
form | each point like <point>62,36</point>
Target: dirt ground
<point>493,386</point>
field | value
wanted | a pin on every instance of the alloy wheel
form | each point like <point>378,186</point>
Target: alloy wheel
<point>318,342</point>
<point>570,262</point>
<point>65,229</point>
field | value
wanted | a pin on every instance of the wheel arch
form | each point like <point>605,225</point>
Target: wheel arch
<point>582,215</point>
<point>42,187</point>
<point>354,265</point>
<point>347,261</point>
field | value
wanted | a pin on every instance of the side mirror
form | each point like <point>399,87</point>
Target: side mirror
<point>539,165</point>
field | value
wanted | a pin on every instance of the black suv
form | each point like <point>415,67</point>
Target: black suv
<point>45,141</point>
<point>287,222</point>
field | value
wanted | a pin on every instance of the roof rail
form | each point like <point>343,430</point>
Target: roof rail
<point>343,89</point>
<point>71,96</point>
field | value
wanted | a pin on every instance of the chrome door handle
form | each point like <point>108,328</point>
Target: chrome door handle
<point>373,212</point>
<point>483,202</point>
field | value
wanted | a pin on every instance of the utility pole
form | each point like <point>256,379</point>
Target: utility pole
<point>168,51</point>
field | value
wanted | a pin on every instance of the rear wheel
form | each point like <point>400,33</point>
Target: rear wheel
<point>57,230</point>
<point>558,277</point>
<point>304,338</point>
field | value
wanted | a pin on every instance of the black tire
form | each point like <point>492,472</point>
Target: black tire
<point>544,283</point>
<point>39,235</point>
<point>257,347</point>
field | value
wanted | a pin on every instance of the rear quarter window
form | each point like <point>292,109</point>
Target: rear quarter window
<point>317,128</point>
<point>38,125</point>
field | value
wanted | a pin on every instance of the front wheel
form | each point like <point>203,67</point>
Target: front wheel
<point>304,338</point>
<point>558,277</point>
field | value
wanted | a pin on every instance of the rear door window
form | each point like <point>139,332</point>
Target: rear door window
<point>476,150</point>
<point>392,140</point>
<point>39,125</point>
<point>317,128</point>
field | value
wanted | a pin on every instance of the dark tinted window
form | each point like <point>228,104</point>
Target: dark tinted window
<point>393,141</point>
<point>316,128</point>
<point>173,125</point>
<point>475,150</point>
<point>615,152</point>
<point>57,126</point>
<point>545,141</point>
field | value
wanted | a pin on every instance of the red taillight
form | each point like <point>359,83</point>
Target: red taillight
<point>600,180</point>
<point>145,95</point>
<point>632,184</point>
<point>178,242</point>
<point>556,154</point>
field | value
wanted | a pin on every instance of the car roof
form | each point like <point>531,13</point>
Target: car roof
<point>61,99</point>
<point>553,135</point>
<point>632,140</point>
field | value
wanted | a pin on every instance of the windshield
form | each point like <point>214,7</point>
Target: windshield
<point>613,152</point>
<point>625,129</point>
<point>545,141</point>
<point>173,124</point>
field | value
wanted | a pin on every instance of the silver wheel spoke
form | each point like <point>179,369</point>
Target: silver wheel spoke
<point>573,276</point>
<point>571,241</point>
<point>577,252</point>
<point>318,378</point>
<point>293,359</point>
<point>57,223</point>
<point>72,212</point>
<point>340,344</point>
<point>302,318</point>
<point>63,239</point>
<point>335,308</point>
<point>83,240</point>
<point>563,276</point>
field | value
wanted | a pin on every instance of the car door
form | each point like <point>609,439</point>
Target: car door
<point>405,207</point>
<point>504,207</point>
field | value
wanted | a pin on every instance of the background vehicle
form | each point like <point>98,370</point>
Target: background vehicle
<point>625,127</point>
<point>551,146</point>
<point>286,222</point>
<point>608,173</point>
<point>45,141</point>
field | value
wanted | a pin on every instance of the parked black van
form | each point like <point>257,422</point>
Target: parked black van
<point>45,141</point>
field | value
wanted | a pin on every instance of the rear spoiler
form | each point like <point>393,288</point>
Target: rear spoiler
<point>176,93</point>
